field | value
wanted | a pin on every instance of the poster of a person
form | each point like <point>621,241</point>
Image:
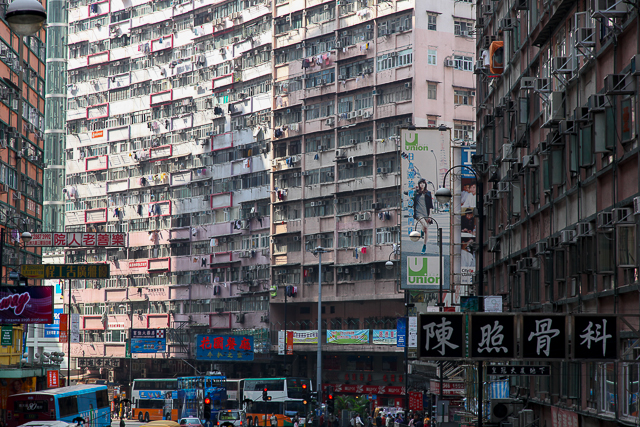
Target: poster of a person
<point>468,194</point>
<point>422,205</point>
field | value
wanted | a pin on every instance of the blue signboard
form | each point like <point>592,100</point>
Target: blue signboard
<point>224,348</point>
<point>402,332</point>
<point>145,394</point>
<point>148,340</point>
<point>52,330</point>
<point>467,152</point>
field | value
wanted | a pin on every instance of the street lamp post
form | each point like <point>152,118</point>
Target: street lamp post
<point>319,251</point>
<point>444,196</point>
<point>415,236</point>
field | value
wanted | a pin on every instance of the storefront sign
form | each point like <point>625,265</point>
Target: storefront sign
<point>66,271</point>
<point>148,340</point>
<point>64,328</point>
<point>385,336</point>
<point>6,338</point>
<point>77,239</point>
<point>231,348</point>
<point>52,379</point>
<point>359,336</point>
<point>26,304</point>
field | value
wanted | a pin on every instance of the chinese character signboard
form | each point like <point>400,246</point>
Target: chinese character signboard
<point>77,239</point>
<point>492,336</point>
<point>52,379</point>
<point>402,332</point>
<point>148,340</point>
<point>415,401</point>
<point>26,304</point>
<point>289,343</point>
<point>52,330</point>
<point>544,336</point>
<point>75,328</point>
<point>64,328</point>
<point>441,336</point>
<point>66,271</point>
<point>360,336</point>
<point>595,336</point>
<point>531,370</point>
<point>425,161</point>
<point>238,348</point>
<point>384,336</point>
<point>563,417</point>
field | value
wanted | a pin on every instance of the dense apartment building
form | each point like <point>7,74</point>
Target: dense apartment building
<point>558,146</point>
<point>229,140</point>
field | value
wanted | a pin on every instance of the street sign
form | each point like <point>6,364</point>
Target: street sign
<point>66,271</point>
<point>533,370</point>
<point>7,335</point>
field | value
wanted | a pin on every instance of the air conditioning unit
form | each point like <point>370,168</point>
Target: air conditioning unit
<point>542,85</point>
<point>494,244</point>
<point>636,205</point>
<point>609,8</point>
<point>567,237</point>
<point>525,264</point>
<point>487,9</point>
<point>622,216</point>
<point>503,408</point>
<point>561,65</point>
<point>509,153</point>
<point>567,127</point>
<point>530,161</point>
<point>585,229</point>
<point>586,37</point>
<point>604,219</point>
<point>527,82</point>
<point>503,187</point>
<point>541,247</point>
<point>449,63</point>
<point>614,84</point>
<point>239,317</point>
<point>598,102</point>
<point>507,24</point>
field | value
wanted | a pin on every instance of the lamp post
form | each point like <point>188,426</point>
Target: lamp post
<point>415,236</point>
<point>444,195</point>
<point>319,251</point>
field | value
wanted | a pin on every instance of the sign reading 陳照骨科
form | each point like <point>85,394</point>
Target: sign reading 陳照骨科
<point>538,336</point>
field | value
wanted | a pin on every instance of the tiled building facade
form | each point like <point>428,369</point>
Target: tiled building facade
<point>229,139</point>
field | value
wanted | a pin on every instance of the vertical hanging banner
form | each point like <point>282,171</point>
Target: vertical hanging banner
<point>289,343</point>
<point>6,337</point>
<point>425,161</point>
<point>64,328</point>
<point>402,332</point>
<point>75,328</point>
<point>52,379</point>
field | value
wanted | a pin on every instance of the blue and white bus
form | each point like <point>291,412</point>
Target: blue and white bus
<point>89,402</point>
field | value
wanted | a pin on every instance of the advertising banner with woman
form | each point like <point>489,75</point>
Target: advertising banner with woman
<point>425,161</point>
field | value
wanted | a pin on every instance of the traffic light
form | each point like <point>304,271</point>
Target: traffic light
<point>207,408</point>
<point>496,57</point>
<point>265,396</point>
<point>330,401</point>
<point>306,396</point>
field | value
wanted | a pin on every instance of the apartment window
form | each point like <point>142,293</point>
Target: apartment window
<point>464,130</point>
<point>463,97</point>
<point>432,22</point>
<point>464,63</point>
<point>432,57</point>
<point>462,28</point>
<point>432,91</point>
<point>391,60</point>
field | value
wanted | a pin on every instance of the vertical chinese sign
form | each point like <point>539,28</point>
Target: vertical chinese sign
<point>425,161</point>
<point>64,328</point>
<point>238,348</point>
<point>52,379</point>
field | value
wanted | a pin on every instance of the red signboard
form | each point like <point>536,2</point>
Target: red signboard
<point>139,264</point>
<point>64,328</point>
<point>415,401</point>
<point>289,343</point>
<point>52,379</point>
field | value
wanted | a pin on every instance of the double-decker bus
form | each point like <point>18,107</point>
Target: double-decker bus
<point>89,402</point>
<point>286,394</point>
<point>234,393</point>
<point>148,399</point>
<point>193,390</point>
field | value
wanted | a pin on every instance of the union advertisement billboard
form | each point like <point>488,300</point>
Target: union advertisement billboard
<point>425,161</point>
<point>26,304</point>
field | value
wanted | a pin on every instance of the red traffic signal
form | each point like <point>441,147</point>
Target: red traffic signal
<point>330,397</point>
<point>304,386</point>
<point>207,401</point>
<point>265,389</point>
